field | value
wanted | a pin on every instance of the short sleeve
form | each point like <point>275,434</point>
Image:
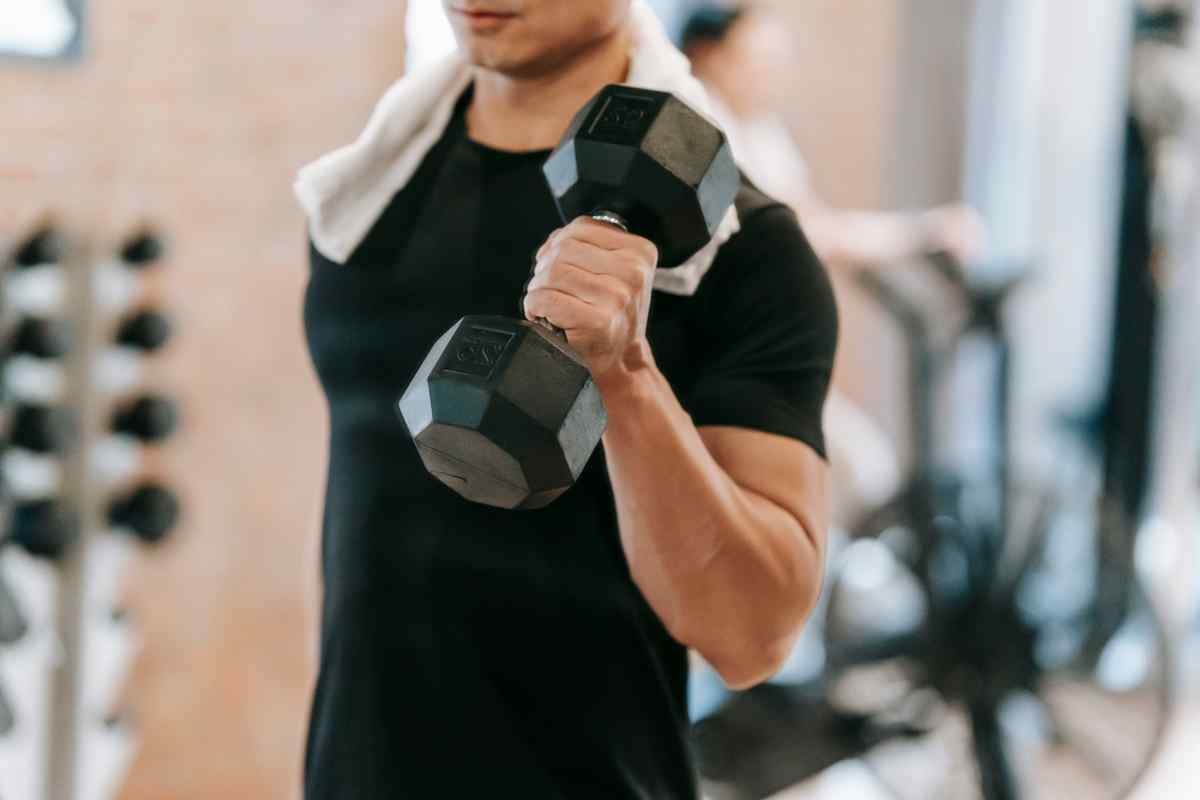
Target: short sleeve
<point>765,327</point>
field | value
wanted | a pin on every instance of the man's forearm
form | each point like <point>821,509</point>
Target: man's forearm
<point>731,573</point>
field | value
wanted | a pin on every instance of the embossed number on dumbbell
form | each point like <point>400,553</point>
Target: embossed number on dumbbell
<point>478,351</point>
<point>623,118</point>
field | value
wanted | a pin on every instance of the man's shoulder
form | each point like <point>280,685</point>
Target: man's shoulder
<point>770,242</point>
<point>768,269</point>
<point>750,199</point>
<point>765,222</point>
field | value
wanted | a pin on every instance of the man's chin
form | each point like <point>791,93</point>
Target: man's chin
<point>479,54</point>
<point>502,63</point>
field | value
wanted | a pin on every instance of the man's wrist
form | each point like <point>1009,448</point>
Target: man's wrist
<point>634,377</point>
<point>926,232</point>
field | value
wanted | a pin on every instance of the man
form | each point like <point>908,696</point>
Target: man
<point>468,651</point>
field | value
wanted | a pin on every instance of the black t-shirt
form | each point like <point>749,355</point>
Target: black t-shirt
<point>469,651</point>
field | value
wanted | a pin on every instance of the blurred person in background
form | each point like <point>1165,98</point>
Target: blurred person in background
<point>740,53</point>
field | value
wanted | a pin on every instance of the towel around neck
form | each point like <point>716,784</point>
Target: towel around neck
<point>344,192</point>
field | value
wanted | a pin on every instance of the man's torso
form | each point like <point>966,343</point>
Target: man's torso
<point>463,646</point>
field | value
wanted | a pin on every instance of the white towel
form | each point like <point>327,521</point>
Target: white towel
<point>345,191</point>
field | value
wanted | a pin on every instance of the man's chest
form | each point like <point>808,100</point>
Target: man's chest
<point>467,249</point>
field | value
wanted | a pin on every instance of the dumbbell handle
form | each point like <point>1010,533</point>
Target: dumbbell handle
<point>612,218</point>
<point>600,215</point>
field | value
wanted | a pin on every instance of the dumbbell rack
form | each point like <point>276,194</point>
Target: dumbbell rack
<point>73,746</point>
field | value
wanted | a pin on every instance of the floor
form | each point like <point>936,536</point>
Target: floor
<point>1174,775</point>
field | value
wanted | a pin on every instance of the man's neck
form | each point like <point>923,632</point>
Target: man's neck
<point>531,113</point>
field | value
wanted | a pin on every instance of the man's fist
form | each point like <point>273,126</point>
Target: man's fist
<point>957,230</point>
<point>593,281</point>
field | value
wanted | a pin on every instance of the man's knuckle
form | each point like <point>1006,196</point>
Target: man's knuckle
<point>649,250</point>
<point>626,294</point>
<point>638,280</point>
<point>571,249</point>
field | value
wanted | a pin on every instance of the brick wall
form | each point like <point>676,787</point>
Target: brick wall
<point>194,116</point>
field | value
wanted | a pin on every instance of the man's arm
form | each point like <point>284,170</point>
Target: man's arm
<point>853,238</point>
<point>847,238</point>
<point>723,528</point>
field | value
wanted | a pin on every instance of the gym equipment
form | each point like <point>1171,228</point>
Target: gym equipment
<point>149,418</point>
<point>42,528</point>
<point>66,672</point>
<point>117,285</point>
<point>8,719</point>
<point>42,429</point>
<point>120,369</point>
<point>969,624</point>
<point>502,410</point>
<point>40,338</point>
<point>146,331</point>
<point>31,580</point>
<point>103,766</point>
<point>38,290</point>
<point>150,512</point>
<point>112,644</point>
<point>34,282</point>
<point>142,249</point>
<point>24,678</point>
<point>44,246</point>
<point>13,625</point>
<point>35,381</point>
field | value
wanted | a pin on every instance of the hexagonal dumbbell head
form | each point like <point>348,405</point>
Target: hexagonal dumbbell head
<point>651,159</point>
<point>503,412</point>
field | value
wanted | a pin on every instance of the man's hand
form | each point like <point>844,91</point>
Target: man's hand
<point>957,230</point>
<point>594,281</point>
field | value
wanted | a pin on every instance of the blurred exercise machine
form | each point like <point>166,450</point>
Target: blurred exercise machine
<point>987,634</point>
<point>964,626</point>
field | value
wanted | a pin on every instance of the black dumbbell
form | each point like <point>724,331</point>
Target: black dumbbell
<point>149,511</point>
<point>43,247</point>
<point>502,410</point>
<point>41,338</point>
<point>144,330</point>
<point>142,249</point>
<point>42,528</point>
<point>42,429</point>
<point>149,418</point>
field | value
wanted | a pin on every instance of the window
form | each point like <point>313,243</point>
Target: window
<point>41,29</point>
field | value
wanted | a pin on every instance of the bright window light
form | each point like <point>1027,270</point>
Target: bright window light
<point>40,28</point>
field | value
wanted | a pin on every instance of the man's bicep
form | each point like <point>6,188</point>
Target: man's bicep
<point>783,471</point>
<point>766,329</point>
